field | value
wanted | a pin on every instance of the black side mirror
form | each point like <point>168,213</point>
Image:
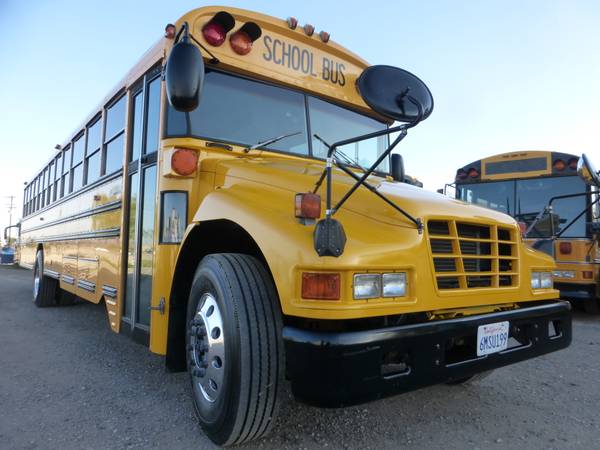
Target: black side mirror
<point>397,167</point>
<point>184,74</point>
<point>440,191</point>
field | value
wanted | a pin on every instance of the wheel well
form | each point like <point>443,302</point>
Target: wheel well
<point>215,236</point>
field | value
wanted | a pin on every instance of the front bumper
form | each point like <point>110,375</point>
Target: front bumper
<point>575,291</point>
<point>337,369</point>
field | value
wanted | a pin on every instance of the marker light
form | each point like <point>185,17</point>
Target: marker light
<point>565,248</point>
<point>473,173</point>
<point>308,206</point>
<point>292,22</point>
<point>559,164</point>
<point>321,286</point>
<point>241,40</point>
<point>324,35</point>
<point>309,29</point>
<point>215,31</point>
<point>170,31</point>
<point>367,285</point>
<point>573,163</point>
<point>184,161</point>
<point>394,284</point>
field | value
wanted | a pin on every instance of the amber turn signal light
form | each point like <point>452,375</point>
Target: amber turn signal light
<point>308,206</point>
<point>565,248</point>
<point>321,286</point>
<point>241,41</point>
<point>184,161</point>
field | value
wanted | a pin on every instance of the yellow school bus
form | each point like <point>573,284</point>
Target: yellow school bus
<point>557,210</point>
<point>236,205</point>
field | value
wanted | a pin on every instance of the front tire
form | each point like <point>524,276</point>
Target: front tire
<point>44,287</point>
<point>234,348</point>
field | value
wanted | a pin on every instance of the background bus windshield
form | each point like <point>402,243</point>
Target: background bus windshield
<point>245,112</point>
<point>524,199</point>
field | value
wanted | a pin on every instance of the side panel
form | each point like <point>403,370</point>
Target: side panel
<point>80,237</point>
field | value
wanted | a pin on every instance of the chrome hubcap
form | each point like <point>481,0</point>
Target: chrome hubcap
<point>36,282</point>
<point>207,348</point>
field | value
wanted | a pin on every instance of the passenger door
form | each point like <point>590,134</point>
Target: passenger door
<point>142,179</point>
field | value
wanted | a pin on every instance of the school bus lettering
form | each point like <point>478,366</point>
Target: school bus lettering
<point>302,60</point>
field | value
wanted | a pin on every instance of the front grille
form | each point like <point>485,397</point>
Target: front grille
<point>473,256</point>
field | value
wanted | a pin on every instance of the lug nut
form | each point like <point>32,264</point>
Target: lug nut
<point>198,372</point>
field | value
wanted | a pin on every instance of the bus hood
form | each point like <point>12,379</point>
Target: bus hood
<point>300,176</point>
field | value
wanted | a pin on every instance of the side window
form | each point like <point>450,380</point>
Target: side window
<point>66,178</point>
<point>138,123</point>
<point>77,171</point>
<point>50,182</point>
<point>113,136</point>
<point>92,159</point>
<point>58,167</point>
<point>153,119</point>
<point>43,188</point>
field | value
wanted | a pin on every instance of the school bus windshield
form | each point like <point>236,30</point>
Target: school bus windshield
<point>524,199</point>
<point>242,111</point>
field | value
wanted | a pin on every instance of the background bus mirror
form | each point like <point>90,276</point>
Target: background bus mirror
<point>397,167</point>
<point>184,75</point>
<point>587,171</point>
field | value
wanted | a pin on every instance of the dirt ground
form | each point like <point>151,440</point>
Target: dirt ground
<point>67,381</point>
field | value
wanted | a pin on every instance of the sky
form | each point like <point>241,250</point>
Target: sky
<point>505,75</point>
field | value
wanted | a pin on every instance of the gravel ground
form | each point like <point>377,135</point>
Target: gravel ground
<point>67,381</point>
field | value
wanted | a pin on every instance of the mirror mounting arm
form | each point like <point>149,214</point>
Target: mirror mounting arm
<point>326,174</point>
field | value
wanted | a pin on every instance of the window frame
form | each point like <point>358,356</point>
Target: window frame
<point>97,119</point>
<point>123,94</point>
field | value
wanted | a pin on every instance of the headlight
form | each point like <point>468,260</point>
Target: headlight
<point>394,284</point>
<point>373,285</point>
<point>367,285</point>
<point>564,274</point>
<point>541,280</point>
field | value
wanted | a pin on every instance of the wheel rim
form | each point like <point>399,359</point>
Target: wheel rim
<point>36,281</point>
<point>207,349</point>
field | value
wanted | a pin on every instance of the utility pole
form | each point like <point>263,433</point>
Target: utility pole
<point>10,207</point>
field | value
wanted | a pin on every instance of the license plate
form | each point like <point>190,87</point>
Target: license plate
<point>492,338</point>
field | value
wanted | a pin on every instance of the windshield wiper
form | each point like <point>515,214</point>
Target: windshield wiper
<point>270,141</point>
